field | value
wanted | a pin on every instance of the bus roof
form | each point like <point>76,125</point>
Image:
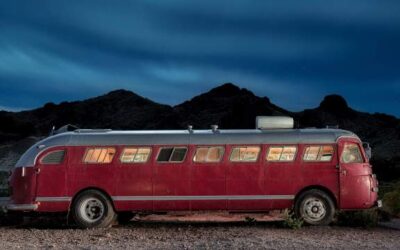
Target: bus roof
<point>87,137</point>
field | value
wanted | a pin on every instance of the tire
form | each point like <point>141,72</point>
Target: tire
<point>315,207</point>
<point>92,209</point>
<point>125,217</point>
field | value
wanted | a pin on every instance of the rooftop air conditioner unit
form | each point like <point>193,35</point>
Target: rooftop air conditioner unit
<point>274,122</point>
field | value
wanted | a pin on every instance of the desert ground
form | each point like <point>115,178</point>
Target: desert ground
<point>184,235</point>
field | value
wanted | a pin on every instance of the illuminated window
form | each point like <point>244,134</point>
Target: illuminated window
<point>281,153</point>
<point>201,155</point>
<point>99,155</point>
<point>245,154</point>
<point>172,154</point>
<point>326,153</point>
<point>55,157</point>
<point>318,153</point>
<point>351,154</point>
<point>311,153</point>
<point>135,155</point>
<point>208,154</point>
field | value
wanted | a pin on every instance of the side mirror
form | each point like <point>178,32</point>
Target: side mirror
<point>367,149</point>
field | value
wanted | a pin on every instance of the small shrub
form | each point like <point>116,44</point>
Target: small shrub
<point>291,221</point>
<point>391,200</point>
<point>250,220</point>
<point>365,218</point>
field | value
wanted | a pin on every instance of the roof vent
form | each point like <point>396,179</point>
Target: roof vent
<point>190,128</point>
<point>274,122</point>
<point>214,128</point>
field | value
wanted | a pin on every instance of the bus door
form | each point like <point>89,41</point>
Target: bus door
<point>245,178</point>
<point>319,167</point>
<point>51,187</point>
<point>354,175</point>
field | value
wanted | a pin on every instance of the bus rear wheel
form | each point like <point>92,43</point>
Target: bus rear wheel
<point>315,207</point>
<point>92,209</point>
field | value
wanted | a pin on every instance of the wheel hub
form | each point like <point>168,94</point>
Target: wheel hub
<point>91,209</point>
<point>314,209</point>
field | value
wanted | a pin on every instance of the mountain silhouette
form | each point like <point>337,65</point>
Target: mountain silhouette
<point>228,106</point>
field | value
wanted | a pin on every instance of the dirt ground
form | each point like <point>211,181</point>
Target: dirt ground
<point>170,235</point>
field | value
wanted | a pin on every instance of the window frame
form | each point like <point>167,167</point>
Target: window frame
<point>135,147</point>
<point>208,151</point>
<point>363,158</point>
<point>89,148</point>
<point>320,148</point>
<point>245,146</point>
<point>50,152</point>
<point>281,146</point>
<point>173,150</point>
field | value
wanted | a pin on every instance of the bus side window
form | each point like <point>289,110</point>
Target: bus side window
<point>99,155</point>
<point>245,154</point>
<point>178,155</point>
<point>326,153</point>
<point>172,154</point>
<point>281,153</point>
<point>208,154</point>
<point>201,154</point>
<point>135,155</point>
<point>53,158</point>
<point>164,154</point>
<point>318,153</point>
<point>351,153</point>
<point>274,153</point>
<point>311,153</point>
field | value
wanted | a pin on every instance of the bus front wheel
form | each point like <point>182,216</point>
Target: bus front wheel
<point>315,207</point>
<point>92,209</point>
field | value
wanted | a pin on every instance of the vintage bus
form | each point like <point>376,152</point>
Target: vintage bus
<point>96,175</point>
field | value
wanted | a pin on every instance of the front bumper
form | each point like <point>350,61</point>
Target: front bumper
<point>22,207</point>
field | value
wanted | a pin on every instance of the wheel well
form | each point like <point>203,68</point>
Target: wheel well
<point>91,188</point>
<point>322,188</point>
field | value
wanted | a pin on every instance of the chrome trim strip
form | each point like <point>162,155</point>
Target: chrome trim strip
<point>53,199</point>
<point>179,198</point>
<point>22,207</point>
<point>203,197</point>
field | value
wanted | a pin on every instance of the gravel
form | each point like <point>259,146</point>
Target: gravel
<point>140,235</point>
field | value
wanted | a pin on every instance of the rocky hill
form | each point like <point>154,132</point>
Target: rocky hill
<point>227,105</point>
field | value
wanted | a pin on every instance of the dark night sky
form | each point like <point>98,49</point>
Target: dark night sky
<point>294,52</point>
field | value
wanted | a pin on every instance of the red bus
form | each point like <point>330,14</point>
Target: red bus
<point>96,175</point>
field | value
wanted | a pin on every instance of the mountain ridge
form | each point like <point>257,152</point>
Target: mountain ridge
<point>227,105</point>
